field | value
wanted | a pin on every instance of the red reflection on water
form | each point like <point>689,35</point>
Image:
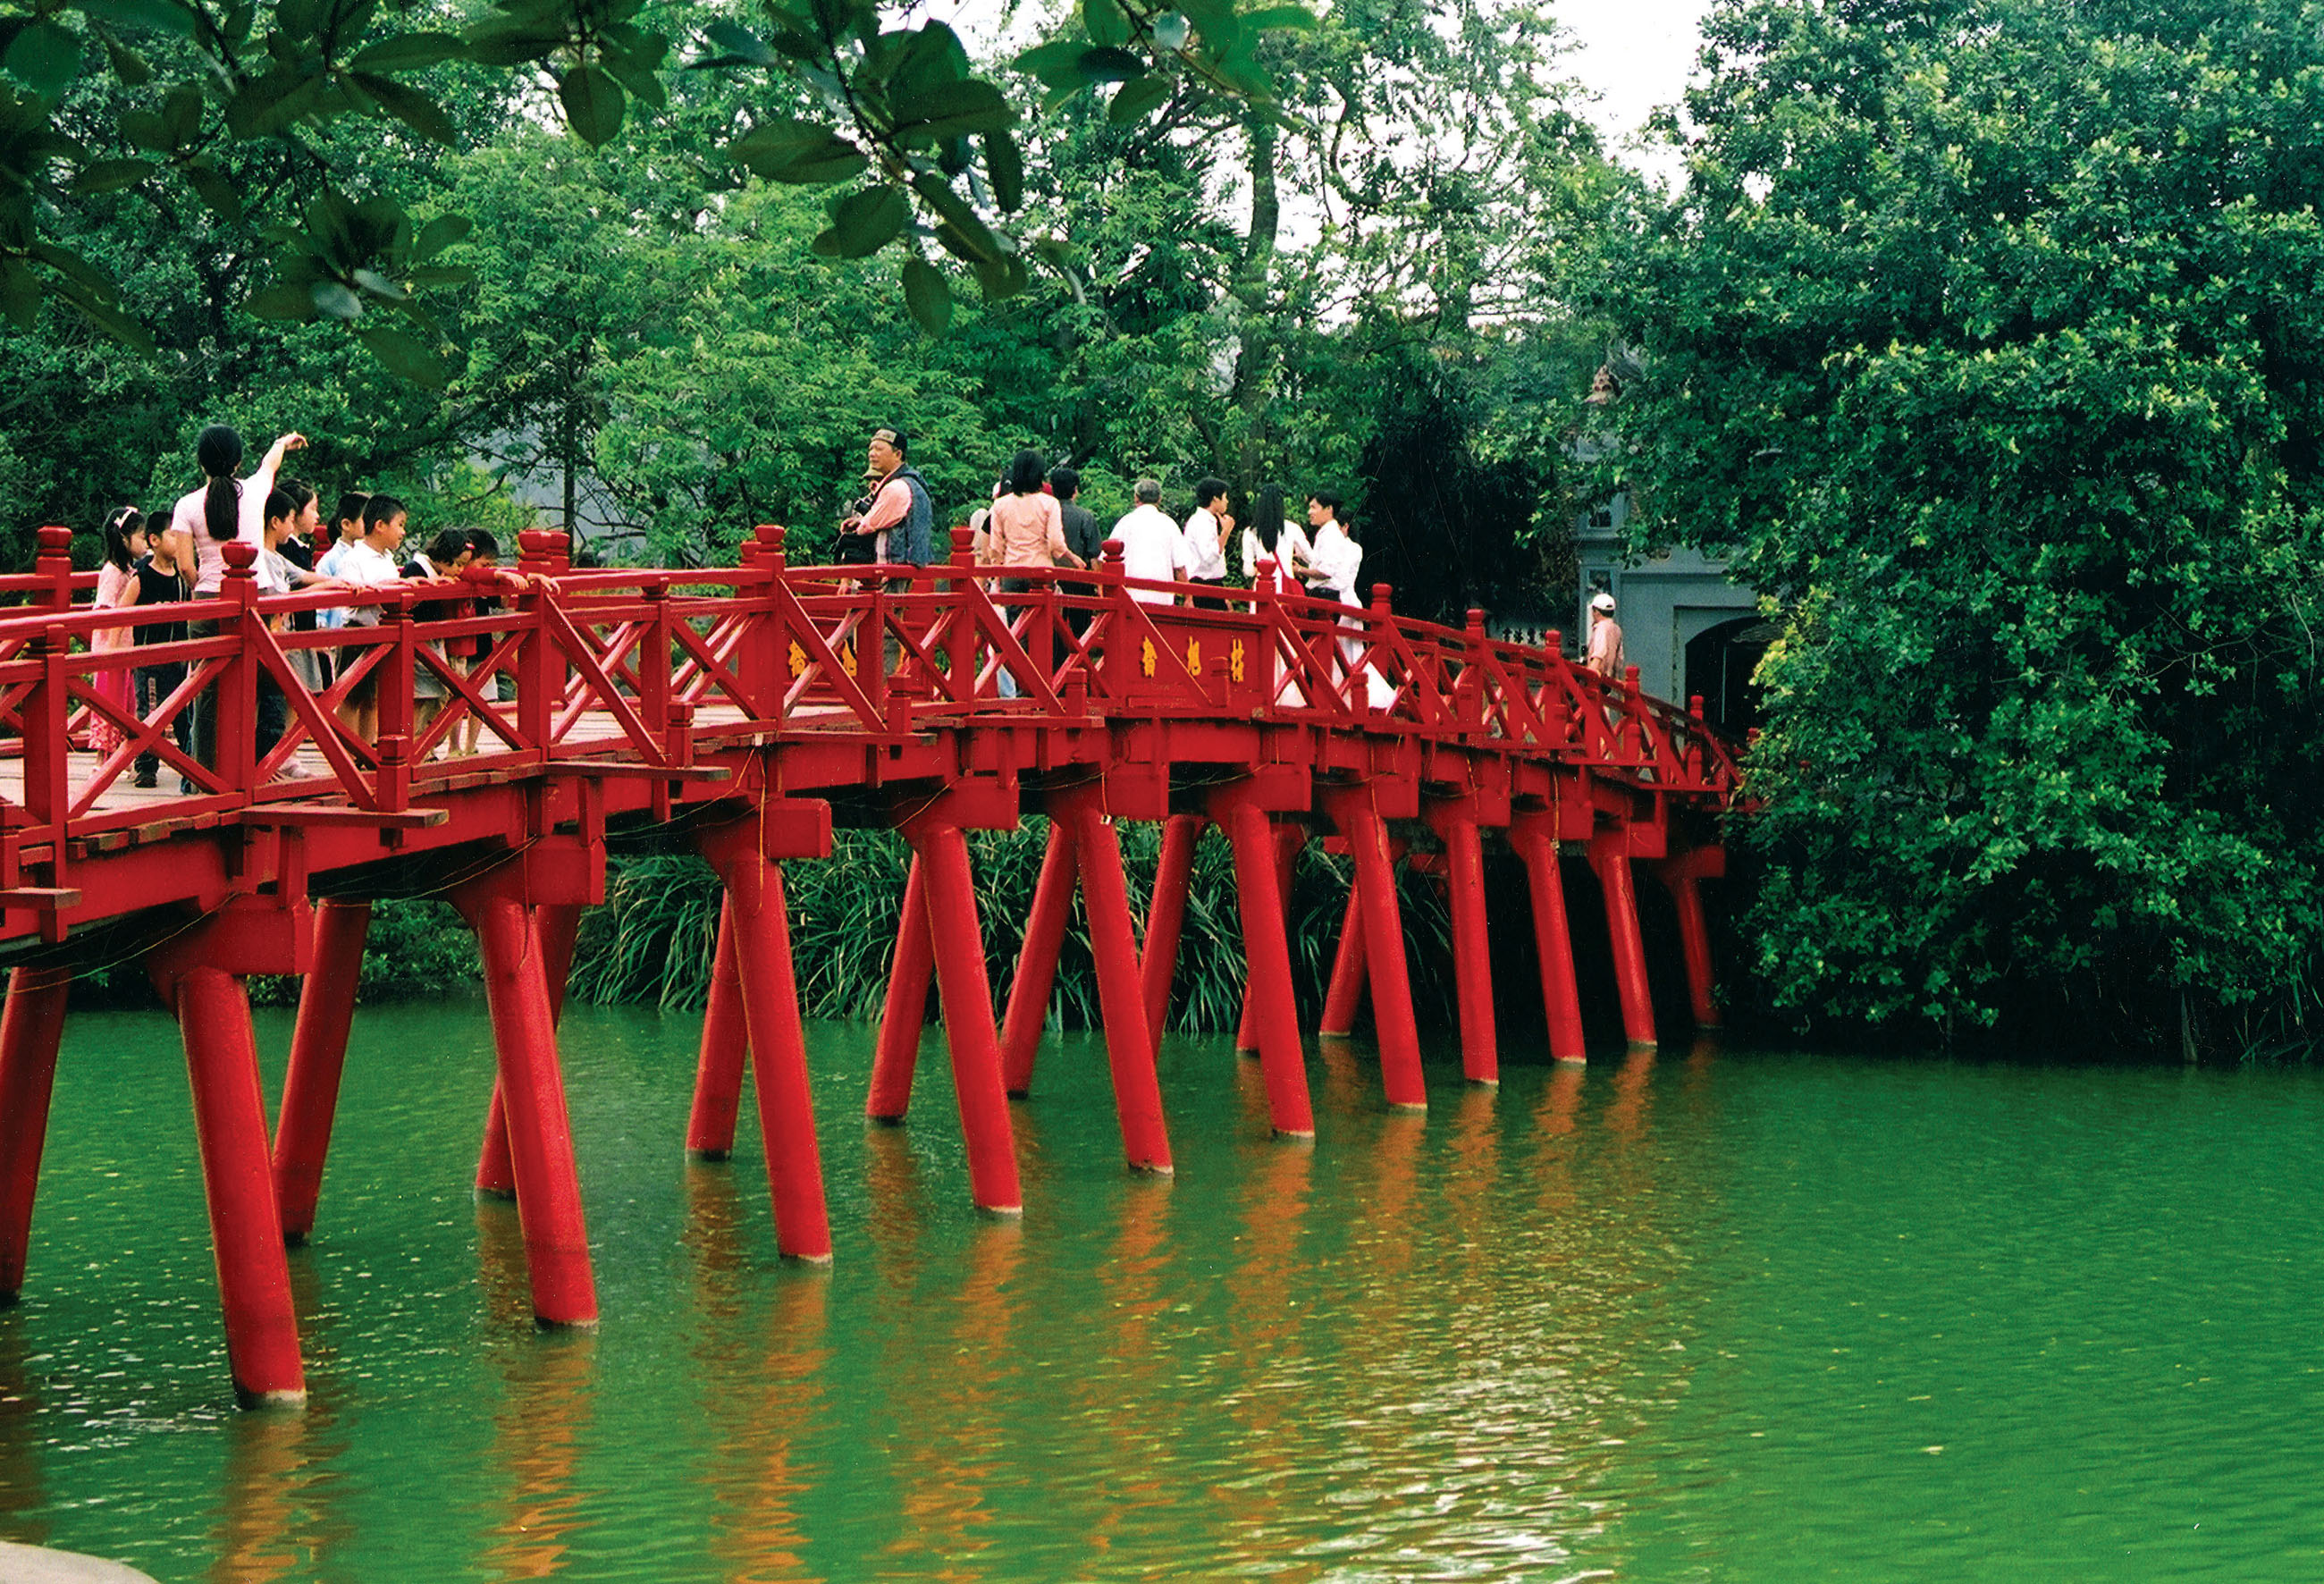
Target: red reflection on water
<point>1627,1116</point>
<point>949,1405</point>
<point>537,1439</point>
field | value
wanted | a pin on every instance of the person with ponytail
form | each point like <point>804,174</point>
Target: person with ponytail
<point>227,508</point>
<point>117,585</point>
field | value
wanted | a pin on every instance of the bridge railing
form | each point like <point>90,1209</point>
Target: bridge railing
<point>550,663</point>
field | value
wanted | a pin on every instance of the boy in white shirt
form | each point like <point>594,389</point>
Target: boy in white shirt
<point>369,561</point>
<point>1206,538</point>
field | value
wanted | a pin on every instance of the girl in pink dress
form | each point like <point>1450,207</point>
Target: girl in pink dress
<point>117,585</point>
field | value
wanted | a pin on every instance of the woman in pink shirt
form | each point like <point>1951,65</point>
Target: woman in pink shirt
<point>1026,529</point>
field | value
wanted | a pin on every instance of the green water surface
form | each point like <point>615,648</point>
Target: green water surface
<point>1712,1315</point>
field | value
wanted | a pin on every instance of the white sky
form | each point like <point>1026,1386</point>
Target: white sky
<point>1636,55</point>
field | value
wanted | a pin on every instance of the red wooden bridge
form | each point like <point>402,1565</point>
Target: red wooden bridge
<point>746,711</point>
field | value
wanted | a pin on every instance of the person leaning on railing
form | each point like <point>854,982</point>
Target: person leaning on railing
<point>277,575</point>
<point>369,563</point>
<point>446,556</point>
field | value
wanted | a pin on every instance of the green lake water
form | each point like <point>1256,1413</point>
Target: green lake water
<point>1717,1315</point>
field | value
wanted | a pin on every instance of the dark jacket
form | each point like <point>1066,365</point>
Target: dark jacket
<point>910,542</point>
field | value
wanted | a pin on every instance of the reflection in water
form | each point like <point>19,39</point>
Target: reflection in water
<point>1719,1315</point>
<point>955,1394</point>
<point>537,1437</point>
<point>23,1492</point>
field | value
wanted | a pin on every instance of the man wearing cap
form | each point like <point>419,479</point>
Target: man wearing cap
<point>902,520</point>
<point>1605,654</point>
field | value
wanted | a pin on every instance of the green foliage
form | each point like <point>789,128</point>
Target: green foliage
<point>655,938</point>
<point>1970,338</point>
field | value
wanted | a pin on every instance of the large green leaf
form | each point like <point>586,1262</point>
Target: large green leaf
<point>415,109</point>
<point>1105,23</point>
<point>1134,101</point>
<point>409,52</point>
<point>161,16</point>
<point>112,175</point>
<point>405,355</point>
<point>785,150</point>
<point>1005,164</point>
<point>439,234</point>
<point>594,103</point>
<point>45,57</point>
<point>955,109</point>
<point>862,223</point>
<point>968,237</point>
<point>1057,64</point>
<point>1110,65</point>
<point>335,299</point>
<point>292,300</point>
<point>732,38</point>
<point>926,296</point>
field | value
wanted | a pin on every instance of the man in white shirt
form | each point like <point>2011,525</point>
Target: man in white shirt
<point>1152,548</point>
<point>1206,537</point>
<point>1333,559</point>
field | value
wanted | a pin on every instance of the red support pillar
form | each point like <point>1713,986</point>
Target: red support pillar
<point>1610,856</point>
<point>906,1011</point>
<point>1535,837</point>
<point>1166,916</point>
<point>318,1053</point>
<point>262,1328</point>
<point>532,1094</point>
<point>959,950</point>
<point>558,923</point>
<point>1399,1038</point>
<point>1037,964</point>
<point>1473,950</point>
<point>1289,838</point>
<point>31,1026</point>
<point>1682,875</point>
<point>1113,941</point>
<point>1267,952</point>
<point>762,940</point>
<point>1345,993</point>
<point>724,1050</point>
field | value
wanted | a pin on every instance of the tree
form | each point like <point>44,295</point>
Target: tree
<point>1975,338</point>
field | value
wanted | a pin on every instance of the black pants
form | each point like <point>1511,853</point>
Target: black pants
<point>1209,602</point>
<point>274,711</point>
<point>154,684</point>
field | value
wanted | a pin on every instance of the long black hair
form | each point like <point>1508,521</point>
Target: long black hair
<point>1027,474</point>
<point>1267,517</point>
<point>219,452</point>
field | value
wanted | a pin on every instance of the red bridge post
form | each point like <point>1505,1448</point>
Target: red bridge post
<point>778,1042</point>
<point>253,1271</point>
<point>1375,885</point>
<point>1535,837</point>
<point>1113,943</point>
<point>318,1053</point>
<point>1344,997</point>
<point>559,923</point>
<point>1267,951</point>
<point>1290,840</point>
<point>1473,945</point>
<point>959,949</point>
<point>905,1012</point>
<point>31,1025</point>
<point>1610,857</point>
<point>532,1094</point>
<point>1682,875</point>
<point>1166,918</point>
<point>1037,962</point>
<point>724,1050</point>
